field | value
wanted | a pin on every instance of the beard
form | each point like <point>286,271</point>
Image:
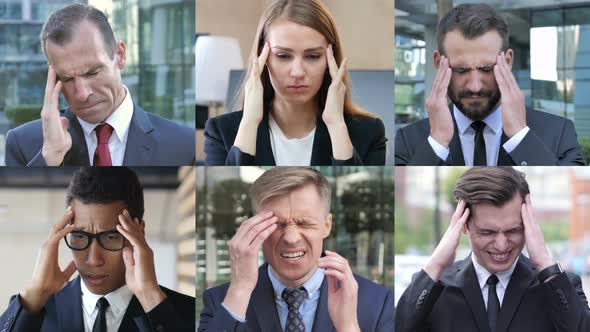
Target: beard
<point>477,110</point>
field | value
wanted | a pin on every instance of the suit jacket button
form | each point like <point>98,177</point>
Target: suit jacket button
<point>523,163</point>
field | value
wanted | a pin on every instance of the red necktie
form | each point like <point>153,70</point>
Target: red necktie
<point>102,156</point>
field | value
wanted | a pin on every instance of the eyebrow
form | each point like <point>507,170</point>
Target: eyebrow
<point>313,49</point>
<point>93,68</point>
<point>486,66</point>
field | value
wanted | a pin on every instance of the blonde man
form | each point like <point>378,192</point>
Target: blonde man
<point>300,287</point>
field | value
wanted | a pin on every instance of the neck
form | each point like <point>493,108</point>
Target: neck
<point>293,283</point>
<point>295,121</point>
<point>121,94</point>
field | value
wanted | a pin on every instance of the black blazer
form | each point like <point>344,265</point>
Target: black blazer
<point>151,141</point>
<point>551,140</point>
<point>374,308</point>
<point>63,313</point>
<point>366,133</point>
<point>455,303</point>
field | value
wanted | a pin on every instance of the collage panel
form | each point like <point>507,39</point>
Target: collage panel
<point>263,231</point>
<point>485,248</point>
<point>80,74</point>
<point>123,237</point>
<point>491,83</point>
<point>300,103</point>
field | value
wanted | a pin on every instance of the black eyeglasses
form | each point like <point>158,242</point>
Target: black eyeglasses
<point>110,240</point>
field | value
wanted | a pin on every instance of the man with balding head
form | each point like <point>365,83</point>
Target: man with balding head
<point>102,125</point>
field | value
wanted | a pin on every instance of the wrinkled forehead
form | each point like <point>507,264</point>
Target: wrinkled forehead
<point>304,202</point>
<point>470,53</point>
<point>93,217</point>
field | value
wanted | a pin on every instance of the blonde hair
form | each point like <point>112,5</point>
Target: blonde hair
<point>280,181</point>
<point>312,14</point>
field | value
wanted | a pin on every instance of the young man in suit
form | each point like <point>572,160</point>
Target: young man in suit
<point>496,288</point>
<point>487,123</point>
<point>298,288</point>
<point>102,125</point>
<point>117,288</point>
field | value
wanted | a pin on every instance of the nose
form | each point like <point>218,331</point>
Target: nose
<point>95,254</point>
<point>291,234</point>
<point>82,89</point>
<point>297,68</point>
<point>474,81</point>
<point>501,242</point>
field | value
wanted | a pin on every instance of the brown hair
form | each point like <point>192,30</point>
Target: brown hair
<point>280,181</point>
<point>473,20</point>
<point>491,185</point>
<point>59,27</point>
<point>309,13</point>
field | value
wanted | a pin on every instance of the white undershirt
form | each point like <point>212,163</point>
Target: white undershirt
<point>483,275</point>
<point>119,300</point>
<point>120,120</point>
<point>290,152</point>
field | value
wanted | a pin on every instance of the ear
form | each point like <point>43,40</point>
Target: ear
<point>328,226</point>
<point>510,58</point>
<point>465,230</point>
<point>436,58</point>
<point>120,54</point>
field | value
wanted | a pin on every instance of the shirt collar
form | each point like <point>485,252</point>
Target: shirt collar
<point>120,119</point>
<point>483,274</point>
<point>118,299</point>
<point>311,285</point>
<point>493,121</point>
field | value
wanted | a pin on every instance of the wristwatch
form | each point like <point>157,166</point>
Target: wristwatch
<point>549,271</point>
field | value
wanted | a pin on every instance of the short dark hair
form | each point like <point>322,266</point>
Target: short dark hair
<point>106,185</point>
<point>473,20</point>
<point>59,27</point>
<point>491,185</point>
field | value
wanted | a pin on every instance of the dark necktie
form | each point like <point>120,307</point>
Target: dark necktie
<point>294,297</point>
<point>479,151</point>
<point>102,156</point>
<point>100,324</point>
<point>493,302</point>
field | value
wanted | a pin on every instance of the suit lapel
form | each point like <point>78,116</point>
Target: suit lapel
<point>467,282</point>
<point>263,304</point>
<point>456,151</point>
<point>135,318</point>
<point>78,154</point>
<point>503,157</point>
<point>321,153</point>
<point>322,321</point>
<point>264,154</point>
<point>68,304</point>
<point>141,139</point>
<point>522,277</point>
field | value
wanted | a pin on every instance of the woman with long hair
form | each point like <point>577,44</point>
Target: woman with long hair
<point>294,106</point>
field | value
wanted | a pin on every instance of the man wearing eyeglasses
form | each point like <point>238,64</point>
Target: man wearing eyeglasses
<point>496,288</point>
<point>117,288</point>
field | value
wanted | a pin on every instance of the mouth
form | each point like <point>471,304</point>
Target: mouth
<point>95,279</point>
<point>297,88</point>
<point>293,255</point>
<point>88,107</point>
<point>500,258</point>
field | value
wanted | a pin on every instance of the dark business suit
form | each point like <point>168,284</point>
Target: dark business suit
<point>551,140</point>
<point>151,141</point>
<point>374,309</point>
<point>455,303</point>
<point>63,313</point>
<point>367,135</point>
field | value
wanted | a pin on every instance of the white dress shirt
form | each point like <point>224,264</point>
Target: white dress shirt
<point>482,278</point>
<point>290,151</point>
<point>492,135</point>
<point>118,303</point>
<point>120,120</point>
